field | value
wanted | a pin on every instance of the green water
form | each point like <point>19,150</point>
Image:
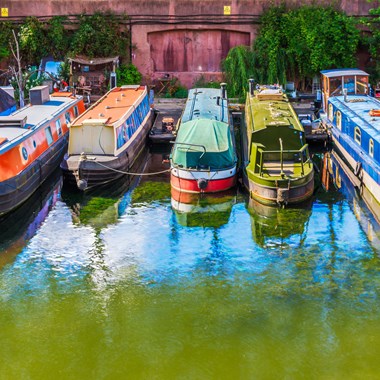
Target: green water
<point>136,285</point>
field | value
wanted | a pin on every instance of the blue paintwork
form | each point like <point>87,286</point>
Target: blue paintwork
<point>8,111</point>
<point>355,114</point>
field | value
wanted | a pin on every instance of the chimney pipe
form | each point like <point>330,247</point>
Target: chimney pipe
<point>223,90</point>
<point>251,88</point>
<point>345,94</point>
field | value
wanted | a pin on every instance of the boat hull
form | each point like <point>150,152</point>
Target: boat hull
<point>16,190</point>
<point>192,181</point>
<point>282,195</point>
<point>362,176</point>
<point>88,171</point>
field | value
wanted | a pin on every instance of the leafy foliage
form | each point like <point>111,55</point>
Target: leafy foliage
<point>238,68</point>
<point>58,38</point>
<point>296,44</point>
<point>33,41</point>
<point>5,37</point>
<point>201,82</point>
<point>99,35</point>
<point>372,41</point>
<point>128,74</point>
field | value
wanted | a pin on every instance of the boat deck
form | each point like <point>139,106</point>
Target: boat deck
<point>164,109</point>
<point>273,169</point>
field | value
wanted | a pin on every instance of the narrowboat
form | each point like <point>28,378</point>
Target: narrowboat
<point>108,137</point>
<point>353,118</point>
<point>277,166</point>
<point>203,159</point>
<point>33,141</point>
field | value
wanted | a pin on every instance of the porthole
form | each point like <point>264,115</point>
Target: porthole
<point>24,153</point>
<point>34,144</point>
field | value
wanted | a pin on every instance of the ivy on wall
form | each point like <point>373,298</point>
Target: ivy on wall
<point>97,35</point>
<point>294,45</point>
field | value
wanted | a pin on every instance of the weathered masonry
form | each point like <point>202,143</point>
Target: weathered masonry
<point>185,37</point>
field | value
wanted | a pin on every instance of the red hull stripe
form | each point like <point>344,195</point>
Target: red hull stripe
<point>191,186</point>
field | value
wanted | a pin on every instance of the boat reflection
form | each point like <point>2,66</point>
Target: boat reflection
<point>202,210</point>
<point>273,225</point>
<point>336,176</point>
<point>103,205</point>
<point>20,225</point>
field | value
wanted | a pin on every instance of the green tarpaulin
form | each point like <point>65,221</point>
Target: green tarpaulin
<point>204,143</point>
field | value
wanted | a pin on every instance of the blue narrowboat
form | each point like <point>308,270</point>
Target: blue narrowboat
<point>353,118</point>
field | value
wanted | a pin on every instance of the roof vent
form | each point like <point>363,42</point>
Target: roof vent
<point>39,95</point>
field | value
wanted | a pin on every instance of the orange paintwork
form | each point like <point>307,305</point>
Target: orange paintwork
<point>117,108</point>
<point>12,161</point>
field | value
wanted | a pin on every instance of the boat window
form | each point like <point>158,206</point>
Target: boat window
<point>58,126</point>
<point>349,84</point>
<point>67,117</point>
<point>371,147</point>
<point>339,120</point>
<point>335,86</point>
<point>76,112</point>
<point>331,113</point>
<point>49,136</point>
<point>358,135</point>
<point>361,85</point>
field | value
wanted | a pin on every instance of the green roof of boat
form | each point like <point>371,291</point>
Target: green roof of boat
<point>271,107</point>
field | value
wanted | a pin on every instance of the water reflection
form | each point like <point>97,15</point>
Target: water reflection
<point>273,225</point>
<point>126,285</point>
<point>19,226</point>
<point>202,210</point>
<point>337,179</point>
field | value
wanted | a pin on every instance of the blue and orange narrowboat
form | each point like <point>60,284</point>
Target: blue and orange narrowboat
<point>33,141</point>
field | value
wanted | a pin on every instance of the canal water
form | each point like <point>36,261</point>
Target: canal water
<point>138,283</point>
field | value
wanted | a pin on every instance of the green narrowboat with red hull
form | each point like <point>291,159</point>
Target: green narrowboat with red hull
<point>33,141</point>
<point>204,158</point>
<point>277,166</point>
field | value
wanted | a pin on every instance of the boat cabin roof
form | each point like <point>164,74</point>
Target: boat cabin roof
<point>271,108</point>
<point>342,72</point>
<point>358,108</point>
<point>23,121</point>
<point>113,106</point>
<point>205,103</point>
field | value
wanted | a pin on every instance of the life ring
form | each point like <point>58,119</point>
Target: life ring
<point>375,113</point>
<point>358,168</point>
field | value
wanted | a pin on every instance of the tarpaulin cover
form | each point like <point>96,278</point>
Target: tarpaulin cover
<point>216,139</point>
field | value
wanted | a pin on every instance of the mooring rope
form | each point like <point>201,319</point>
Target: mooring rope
<point>129,173</point>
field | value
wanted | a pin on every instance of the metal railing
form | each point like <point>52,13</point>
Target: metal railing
<point>281,153</point>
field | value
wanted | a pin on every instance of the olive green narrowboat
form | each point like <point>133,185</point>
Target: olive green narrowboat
<point>277,168</point>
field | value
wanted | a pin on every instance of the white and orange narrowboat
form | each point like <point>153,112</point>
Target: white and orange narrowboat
<point>33,141</point>
<point>106,140</point>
